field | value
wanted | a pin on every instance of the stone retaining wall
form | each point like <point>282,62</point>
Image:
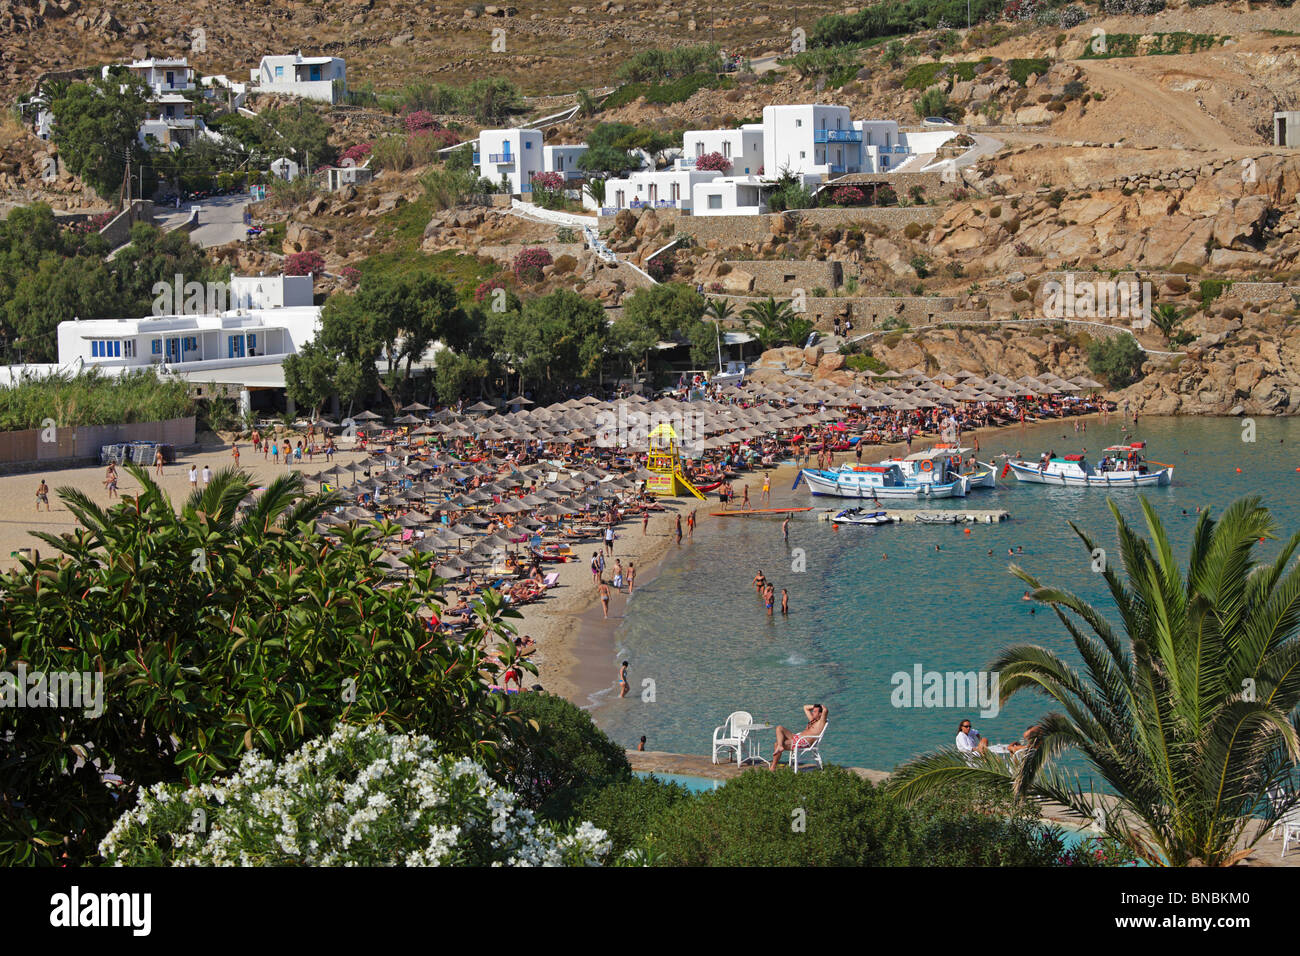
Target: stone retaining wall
<point>734,230</point>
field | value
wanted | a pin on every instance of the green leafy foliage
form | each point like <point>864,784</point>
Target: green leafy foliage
<point>96,125</point>
<point>89,398</point>
<point>556,755</point>
<point>217,631</point>
<point>1118,360</point>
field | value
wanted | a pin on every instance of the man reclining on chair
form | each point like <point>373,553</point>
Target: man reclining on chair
<point>787,740</point>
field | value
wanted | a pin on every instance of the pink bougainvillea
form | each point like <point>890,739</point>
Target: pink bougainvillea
<point>357,153</point>
<point>437,138</point>
<point>420,120</point>
<point>530,262</point>
<point>304,263</point>
<point>487,287</point>
<point>713,162</point>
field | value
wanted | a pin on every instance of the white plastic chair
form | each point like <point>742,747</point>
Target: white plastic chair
<point>1290,824</point>
<point>811,751</point>
<point>731,735</point>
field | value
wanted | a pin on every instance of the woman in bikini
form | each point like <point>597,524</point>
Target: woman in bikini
<point>603,590</point>
<point>622,680</point>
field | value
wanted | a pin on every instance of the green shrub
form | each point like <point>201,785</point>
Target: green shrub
<point>565,264</point>
<point>1117,360</point>
<point>1020,70</point>
<point>629,811</point>
<point>913,230</point>
<point>1211,289</point>
<point>563,757</point>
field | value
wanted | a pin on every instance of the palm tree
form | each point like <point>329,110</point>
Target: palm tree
<point>1167,318</point>
<point>771,319</point>
<point>595,188</point>
<point>1188,714</point>
<point>720,310</point>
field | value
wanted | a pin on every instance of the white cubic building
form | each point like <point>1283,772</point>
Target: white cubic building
<point>517,155</point>
<point>244,344</point>
<point>323,78</point>
<point>171,120</point>
<point>743,147</point>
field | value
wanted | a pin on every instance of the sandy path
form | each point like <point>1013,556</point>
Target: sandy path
<point>1180,109</point>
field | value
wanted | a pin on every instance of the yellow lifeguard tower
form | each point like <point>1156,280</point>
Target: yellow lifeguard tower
<point>665,464</point>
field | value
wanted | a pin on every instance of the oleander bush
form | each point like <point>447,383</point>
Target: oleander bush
<point>360,797</point>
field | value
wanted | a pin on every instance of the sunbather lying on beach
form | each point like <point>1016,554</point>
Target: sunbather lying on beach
<point>787,740</point>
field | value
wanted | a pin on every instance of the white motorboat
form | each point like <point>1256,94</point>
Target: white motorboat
<point>1123,466</point>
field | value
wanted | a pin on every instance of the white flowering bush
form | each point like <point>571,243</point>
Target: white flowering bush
<point>360,797</point>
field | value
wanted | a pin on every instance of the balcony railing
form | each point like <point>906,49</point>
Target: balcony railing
<point>837,167</point>
<point>837,136</point>
<point>900,149</point>
<point>501,158</point>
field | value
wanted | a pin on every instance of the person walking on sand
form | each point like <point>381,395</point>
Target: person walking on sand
<point>42,495</point>
<point>744,502</point>
<point>234,452</point>
<point>645,523</point>
<point>194,478</point>
<point>631,578</point>
<point>690,524</point>
<point>767,489</point>
<point>595,568</point>
<point>275,452</point>
<point>603,590</point>
<point>266,449</point>
<point>679,531</point>
<point>110,480</point>
<point>622,680</point>
<point>207,476</point>
<point>158,463</point>
<point>609,537</point>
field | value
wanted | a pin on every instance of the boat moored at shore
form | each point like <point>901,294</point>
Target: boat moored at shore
<point>1123,466</point>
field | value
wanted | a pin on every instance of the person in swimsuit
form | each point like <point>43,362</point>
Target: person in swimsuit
<point>785,603</point>
<point>110,480</point>
<point>759,583</point>
<point>618,574</point>
<point>744,502</point>
<point>767,489</point>
<point>631,578</point>
<point>785,527</point>
<point>679,530</point>
<point>158,463</point>
<point>769,598</point>
<point>645,523</point>
<point>42,495</point>
<point>622,680</point>
<point>604,597</point>
<point>234,453</point>
<point>786,740</point>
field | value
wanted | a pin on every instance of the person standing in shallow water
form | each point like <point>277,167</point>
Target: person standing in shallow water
<point>622,680</point>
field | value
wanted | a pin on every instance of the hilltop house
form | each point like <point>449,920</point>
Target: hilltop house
<point>815,143</point>
<point>517,155</point>
<point>171,120</point>
<point>323,78</point>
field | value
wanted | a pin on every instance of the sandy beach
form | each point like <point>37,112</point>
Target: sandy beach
<point>575,643</point>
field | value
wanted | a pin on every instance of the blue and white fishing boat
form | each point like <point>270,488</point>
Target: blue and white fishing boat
<point>876,482</point>
<point>1124,466</point>
<point>943,463</point>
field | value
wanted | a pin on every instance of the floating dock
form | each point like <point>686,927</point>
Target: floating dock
<point>916,516</point>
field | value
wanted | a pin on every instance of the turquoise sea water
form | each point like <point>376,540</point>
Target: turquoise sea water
<point>877,601</point>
